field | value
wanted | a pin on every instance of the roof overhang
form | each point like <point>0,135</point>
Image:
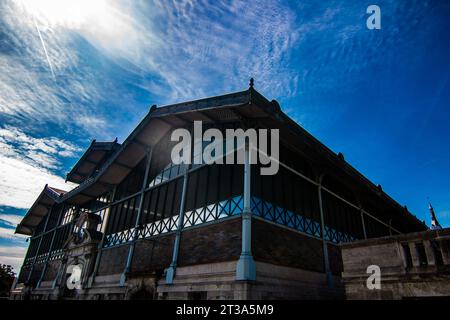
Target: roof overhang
<point>95,155</point>
<point>39,210</point>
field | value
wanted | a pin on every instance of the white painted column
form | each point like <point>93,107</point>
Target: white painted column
<point>246,268</point>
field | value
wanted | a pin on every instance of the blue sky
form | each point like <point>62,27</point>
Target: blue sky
<point>72,71</point>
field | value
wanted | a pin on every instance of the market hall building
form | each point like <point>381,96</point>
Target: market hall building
<point>138,226</point>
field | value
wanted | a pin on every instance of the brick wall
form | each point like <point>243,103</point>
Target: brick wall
<point>36,275</point>
<point>212,243</point>
<point>24,274</point>
<point>280,246</point>
<point>113,260</point>
<point>335,258</point>
<point>52,270</point>
<point>153,255</point>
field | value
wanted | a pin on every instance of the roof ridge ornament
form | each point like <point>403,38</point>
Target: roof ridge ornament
<point>252,82</point>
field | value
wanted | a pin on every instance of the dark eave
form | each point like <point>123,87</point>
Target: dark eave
<point>39,210</point>
<point>93,157</point>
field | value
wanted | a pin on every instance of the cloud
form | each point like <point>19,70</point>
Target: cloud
<point>13,255</point>
<point>212,47</point>
<point>10,219</point>
<point>27,163</point>
<point>21,182</point>
<point>8,233</point>
<point>184,44</point>
<point>29,91</point>
<point>38,152</point>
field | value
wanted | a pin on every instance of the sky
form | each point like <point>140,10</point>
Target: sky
<point>73,71</point>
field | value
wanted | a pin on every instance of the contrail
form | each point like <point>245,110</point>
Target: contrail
<point>43,46</point>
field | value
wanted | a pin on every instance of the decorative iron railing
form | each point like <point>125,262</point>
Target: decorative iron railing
<point>298,222</point>
<point>215,211</point>
<point>212,212</point>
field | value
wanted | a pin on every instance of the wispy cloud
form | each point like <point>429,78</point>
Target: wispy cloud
<point>8,233</point>
<point>225,41</point>
<point>13,256</point>
<point>21,182</point>
<point>39,152</point>
<point>11,220</point>
<point>27,163</point>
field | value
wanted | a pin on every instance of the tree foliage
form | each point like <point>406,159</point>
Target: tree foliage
<point>6,279</point>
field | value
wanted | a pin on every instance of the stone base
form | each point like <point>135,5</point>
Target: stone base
<point>215,281</point>
<point>218,281</point>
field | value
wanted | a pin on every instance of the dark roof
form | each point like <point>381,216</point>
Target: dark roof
<point>233,106</point>
<point>94,156</point>
<point>39,209</point>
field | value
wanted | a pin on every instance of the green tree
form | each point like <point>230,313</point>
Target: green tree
<point>6,279</point>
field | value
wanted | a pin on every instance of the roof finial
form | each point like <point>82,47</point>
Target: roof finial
<point>252,82</point>
<point>434,222</point>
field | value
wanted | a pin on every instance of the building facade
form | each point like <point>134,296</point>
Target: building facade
<point>412,266</point>
<point>138,226</point>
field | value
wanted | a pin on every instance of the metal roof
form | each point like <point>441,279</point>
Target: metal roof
<point>39,209</point>
<point>94,156</point>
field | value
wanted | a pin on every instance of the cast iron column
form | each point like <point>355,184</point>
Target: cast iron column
<point>246,268</point>
<point>170,274</point>
<point>363,223</point>
<point>324,243</point>
<point>39,246</point>
<point>102,241</point>
<point>123,277</point>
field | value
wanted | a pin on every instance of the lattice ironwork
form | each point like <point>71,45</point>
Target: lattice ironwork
<point>150,229</point>
<point>28,261</point>
<point>158,227</point>
<point>57,254</point>
<point>215,211</point>
<point>279,215</point>
<point>119,237</point>
<point>336,236</point>
<point>41,258</point>
<point>276,214</point>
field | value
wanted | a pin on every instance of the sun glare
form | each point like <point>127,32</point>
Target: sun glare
<point>67,13</point>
